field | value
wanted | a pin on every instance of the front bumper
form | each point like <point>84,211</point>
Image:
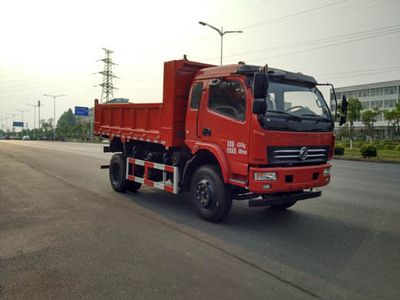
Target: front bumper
<point>279,198</point>
<point>289,179</point>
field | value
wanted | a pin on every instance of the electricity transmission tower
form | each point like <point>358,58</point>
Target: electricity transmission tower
<point>107,85</point>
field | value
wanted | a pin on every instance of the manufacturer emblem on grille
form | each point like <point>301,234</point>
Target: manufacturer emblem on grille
<point>303,154</point>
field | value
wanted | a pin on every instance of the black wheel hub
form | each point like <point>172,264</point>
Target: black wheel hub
<point>203,193</point>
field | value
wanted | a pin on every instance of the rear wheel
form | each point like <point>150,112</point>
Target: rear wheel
<point>211,197</point>
<point>133,186</point>
<point>117,175</point>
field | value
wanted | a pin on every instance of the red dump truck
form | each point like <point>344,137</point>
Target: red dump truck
<point>235,132</point>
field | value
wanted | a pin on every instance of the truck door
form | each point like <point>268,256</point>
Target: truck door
<point>224,120</point>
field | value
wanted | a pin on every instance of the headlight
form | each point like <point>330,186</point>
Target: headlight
<point>327,172</point>
<point>264,176</point>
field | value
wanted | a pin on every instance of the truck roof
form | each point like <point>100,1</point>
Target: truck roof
<point>229,70</point>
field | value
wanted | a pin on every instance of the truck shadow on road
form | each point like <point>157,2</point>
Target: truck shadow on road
<point>297,237</point>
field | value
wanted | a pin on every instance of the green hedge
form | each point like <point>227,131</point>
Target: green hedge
<point>339,150</point>
<point>385,144</point>
<point>368,150</point>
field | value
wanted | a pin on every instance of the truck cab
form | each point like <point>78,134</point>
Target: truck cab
<point>281,148</point>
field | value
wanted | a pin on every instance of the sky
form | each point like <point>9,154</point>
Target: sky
<point>54,47</point>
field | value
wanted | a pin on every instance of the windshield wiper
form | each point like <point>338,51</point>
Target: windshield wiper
<point>319,118</point>
<point>290,116</point>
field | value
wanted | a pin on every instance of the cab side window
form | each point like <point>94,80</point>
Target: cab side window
<point>196,95</point>
<point>228,98</point>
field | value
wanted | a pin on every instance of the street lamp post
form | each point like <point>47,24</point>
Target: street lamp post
<point>12,120</point>
<point>6,118</point>
<point>221,32</point>
<point>2,123</point>
<point>34,118</point>
<point>39,105</point>
<point>34,114</point>
<point>22,116</point>
<point>54,112</point>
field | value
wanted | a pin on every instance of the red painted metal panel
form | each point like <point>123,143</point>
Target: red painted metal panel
<point>149,164</point>
<point>169,168</point>
<point>129,120</point>
<point>148,182</point>
<point>169,188</point>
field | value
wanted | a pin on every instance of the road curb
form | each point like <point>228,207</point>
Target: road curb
<point>368,160</point>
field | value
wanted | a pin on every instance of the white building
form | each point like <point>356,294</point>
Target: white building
<point>382,95</point>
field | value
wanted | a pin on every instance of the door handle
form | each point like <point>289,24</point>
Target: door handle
<point>206,131</point>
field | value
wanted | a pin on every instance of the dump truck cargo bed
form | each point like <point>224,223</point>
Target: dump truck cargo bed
<point>162,123</point>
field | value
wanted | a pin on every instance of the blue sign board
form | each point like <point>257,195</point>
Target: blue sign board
<point>18,124</point>
<point>81,111</point>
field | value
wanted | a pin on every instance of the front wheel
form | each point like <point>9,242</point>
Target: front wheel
<point>211,197</point>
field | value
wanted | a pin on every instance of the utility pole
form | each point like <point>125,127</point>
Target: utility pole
<point>107,92</point>
<point>54,112</point>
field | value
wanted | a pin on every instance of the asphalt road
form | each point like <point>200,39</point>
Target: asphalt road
<point>64,234</point>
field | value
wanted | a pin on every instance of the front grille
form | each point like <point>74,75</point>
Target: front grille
<point>297,155</point>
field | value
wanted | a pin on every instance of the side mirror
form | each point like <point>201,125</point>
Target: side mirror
<point>259,106</point>
<point>260,85</point>
<point>343,110</point>
<point>342,120</point>
<point>344,105</point>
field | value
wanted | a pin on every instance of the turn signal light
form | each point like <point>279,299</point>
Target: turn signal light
<point>327,172</point>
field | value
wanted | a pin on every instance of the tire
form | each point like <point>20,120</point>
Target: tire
<point>283,206</point>
<point>117,175</point>
<point>211,197</point>
<point>133,186</point>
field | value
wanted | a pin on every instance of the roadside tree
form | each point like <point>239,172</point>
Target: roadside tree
<point>46,127</point>
<point>353,114</point>
<point>393,118</point>
<point>368,118</point>
<point>70,126</point>
<point>66,124</point>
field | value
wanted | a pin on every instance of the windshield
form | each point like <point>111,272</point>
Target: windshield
<point>296,107</point>
<point>297,100</point>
